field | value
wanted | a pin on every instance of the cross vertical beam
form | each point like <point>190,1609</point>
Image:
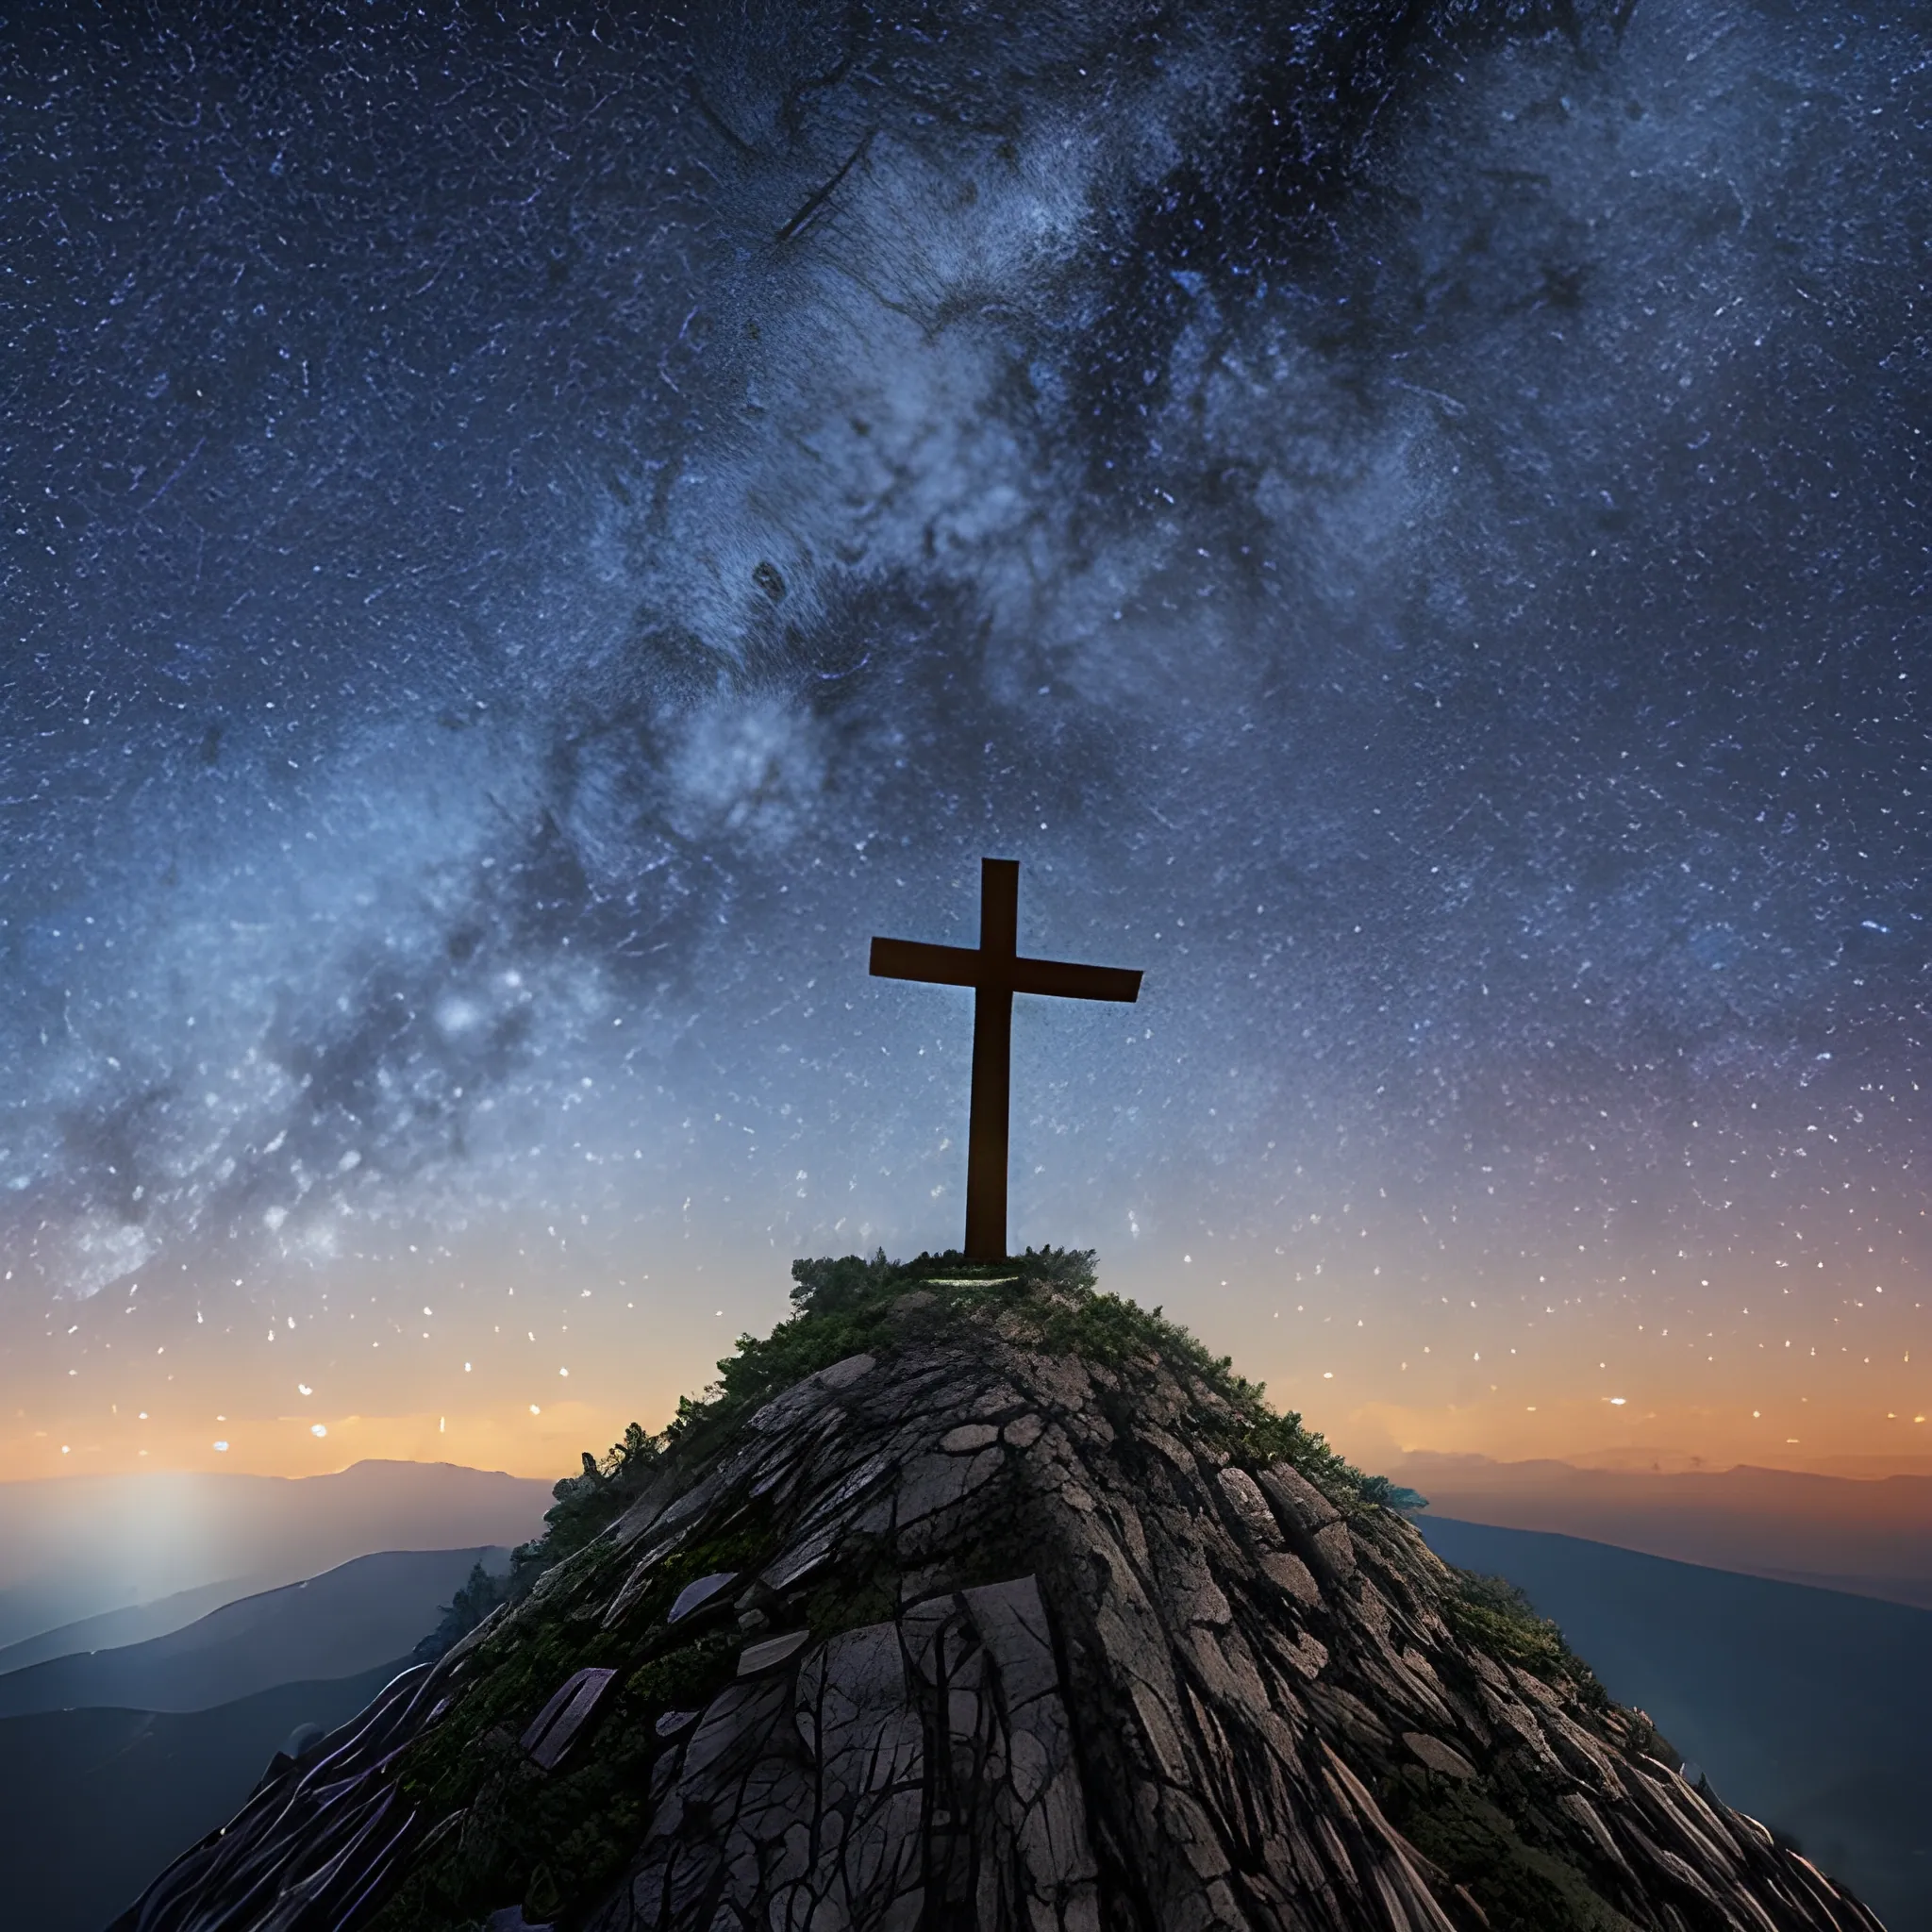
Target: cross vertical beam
<point>990,1123</point>
<point>995,973</point>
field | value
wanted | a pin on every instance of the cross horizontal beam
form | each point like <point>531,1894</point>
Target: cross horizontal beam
<point>995,972</point>
<point>969,966</point>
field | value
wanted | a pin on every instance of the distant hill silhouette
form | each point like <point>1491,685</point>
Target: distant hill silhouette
<point>1871,1537</point>
<point>75,1547</point>
<point>348,1620</point>
<point>112,1629</point>
<point>93,1802</point>
<point>1806,1707</point>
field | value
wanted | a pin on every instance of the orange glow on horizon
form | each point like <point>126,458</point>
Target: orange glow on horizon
<point>494,1360</point>
<point>502,1438</point>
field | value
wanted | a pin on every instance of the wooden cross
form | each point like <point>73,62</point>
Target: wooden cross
<point>995,972</point>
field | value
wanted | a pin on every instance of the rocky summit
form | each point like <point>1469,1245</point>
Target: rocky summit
<point>973,1598</point>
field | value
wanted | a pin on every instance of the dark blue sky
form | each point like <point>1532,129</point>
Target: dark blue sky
<point>526,543</point>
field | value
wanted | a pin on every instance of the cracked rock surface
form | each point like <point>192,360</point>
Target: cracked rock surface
<point>1014,1618</point>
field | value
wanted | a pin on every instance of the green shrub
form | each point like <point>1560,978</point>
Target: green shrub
<point>1491,1613</point>
<point>585,1504</point>
<point>1391,1496</point>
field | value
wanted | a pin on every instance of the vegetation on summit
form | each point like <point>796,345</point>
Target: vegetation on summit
<point>1044,1300</point>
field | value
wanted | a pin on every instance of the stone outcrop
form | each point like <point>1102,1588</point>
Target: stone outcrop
<point>1022,1615</point>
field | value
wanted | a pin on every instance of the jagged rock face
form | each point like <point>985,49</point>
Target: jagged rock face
<point>959,1635</point>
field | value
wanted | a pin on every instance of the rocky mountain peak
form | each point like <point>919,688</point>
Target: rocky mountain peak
<point>974,1598</point>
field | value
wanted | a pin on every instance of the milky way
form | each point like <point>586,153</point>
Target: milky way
<point>527,544</point>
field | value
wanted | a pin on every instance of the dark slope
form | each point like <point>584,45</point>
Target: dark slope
<point>990,1602</point>
<point>1811,1708</point>
<point>92,1802</point>
<point>347,1620</point>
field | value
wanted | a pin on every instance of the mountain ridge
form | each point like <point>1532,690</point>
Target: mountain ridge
<point>333,1626</point>
<point>978,1597</point>
<point>78,1546</point>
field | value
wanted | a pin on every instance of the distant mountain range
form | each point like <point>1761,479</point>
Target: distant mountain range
<point>343,1621</point>
<point>166,1738</point>
<point>112,1628</point>
<point>79,1547</point>
<point>1808,1708</point>
<point>1868,1537</point>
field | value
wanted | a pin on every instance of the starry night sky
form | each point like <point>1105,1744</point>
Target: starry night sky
<point>529,539</point>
